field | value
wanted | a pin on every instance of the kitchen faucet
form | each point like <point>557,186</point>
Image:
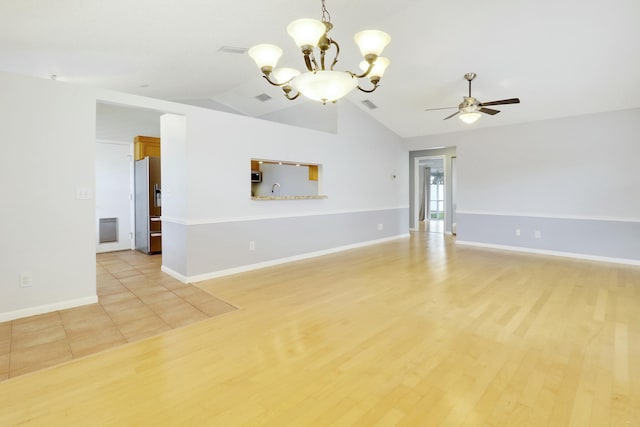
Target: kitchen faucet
<point>273,188</point>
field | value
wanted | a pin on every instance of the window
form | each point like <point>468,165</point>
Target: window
<point>437,195</point>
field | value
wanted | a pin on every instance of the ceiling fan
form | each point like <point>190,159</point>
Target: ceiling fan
<point>470,108</point>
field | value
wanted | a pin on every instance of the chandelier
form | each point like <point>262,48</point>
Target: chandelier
<point>319,82</point>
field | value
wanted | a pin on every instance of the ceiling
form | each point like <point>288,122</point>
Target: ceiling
<point>561,58</point>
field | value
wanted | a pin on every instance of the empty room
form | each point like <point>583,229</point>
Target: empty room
<point>319,213</point>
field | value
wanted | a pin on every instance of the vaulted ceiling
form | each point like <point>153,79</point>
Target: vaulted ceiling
<point>561,58</point>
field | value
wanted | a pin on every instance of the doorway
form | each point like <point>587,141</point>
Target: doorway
<point>116,127</point>
<point>431,194</point>
<point>438,159</point>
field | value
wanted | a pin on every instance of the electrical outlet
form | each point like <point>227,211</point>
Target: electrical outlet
<point>537,234</point>
<point>380,226</point>
<point>26,280</point>
<point>517,232</point>
<point>252,245</point>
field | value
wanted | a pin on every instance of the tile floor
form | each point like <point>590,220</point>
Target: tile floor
<point>136,300</point>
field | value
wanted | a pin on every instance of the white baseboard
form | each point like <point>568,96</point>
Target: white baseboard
<point>174,274</point>
<point>48,308</point>
<point>271,263</point>
<point>101,250</point>
<point>552,253</point>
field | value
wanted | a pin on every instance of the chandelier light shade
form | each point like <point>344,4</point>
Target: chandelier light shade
<point>306,32</point>
<point>320,81</point>
<point>284,75</point>
<point>371,42</point>
<point>265,55</point>
<point>379,66</point>
<point>325,86</point>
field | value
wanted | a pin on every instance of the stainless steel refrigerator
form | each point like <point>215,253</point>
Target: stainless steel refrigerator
<point>148,205</point>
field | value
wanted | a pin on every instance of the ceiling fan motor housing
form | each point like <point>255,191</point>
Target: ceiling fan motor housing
<point>469,104</point>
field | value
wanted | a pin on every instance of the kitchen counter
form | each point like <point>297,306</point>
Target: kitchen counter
<point>288,197</point>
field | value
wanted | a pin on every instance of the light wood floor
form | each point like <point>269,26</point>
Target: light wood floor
<point>414,332</point>
<point>136,301</point>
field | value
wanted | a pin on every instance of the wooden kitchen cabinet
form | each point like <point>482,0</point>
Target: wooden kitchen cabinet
<point>313,173</point>
<point>144,146</point>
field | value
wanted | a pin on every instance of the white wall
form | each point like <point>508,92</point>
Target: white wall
<point>357,163</point>
<point>48,172</point>
<point>221,219</point>
<point>121,123</point>
<point>113,190</point>
<point>308,114</point>
<point>575,180</point>
<point>174,167</point>
<point>578,166</point>
<point>48,143</point>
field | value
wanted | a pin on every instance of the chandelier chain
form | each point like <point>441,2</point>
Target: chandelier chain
<point>326,16</point>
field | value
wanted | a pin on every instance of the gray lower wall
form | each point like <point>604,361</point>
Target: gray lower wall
<point>591,237</point>
<point>174,246</point>
<point>213,247</point>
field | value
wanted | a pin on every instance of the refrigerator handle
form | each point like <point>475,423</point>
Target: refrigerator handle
<point>157,196</point>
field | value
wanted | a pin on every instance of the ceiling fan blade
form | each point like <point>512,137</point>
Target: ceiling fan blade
<point>501,102</point>
<point>448,117</point>
<point>441,108</point>
<point>489,111</point>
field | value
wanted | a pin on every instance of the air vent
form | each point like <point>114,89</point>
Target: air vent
<point>108,230</point>
<point>233,49</point>
<point>263,97</point>
<point>370,105</point>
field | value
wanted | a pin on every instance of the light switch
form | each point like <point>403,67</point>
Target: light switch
<point>83,193</point>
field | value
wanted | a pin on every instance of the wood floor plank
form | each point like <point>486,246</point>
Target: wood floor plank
<point>412,332</point>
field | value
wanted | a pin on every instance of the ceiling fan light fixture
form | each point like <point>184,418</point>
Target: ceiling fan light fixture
<point>320,81</point>
<point>470,108</point>
<point>469,117</point>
